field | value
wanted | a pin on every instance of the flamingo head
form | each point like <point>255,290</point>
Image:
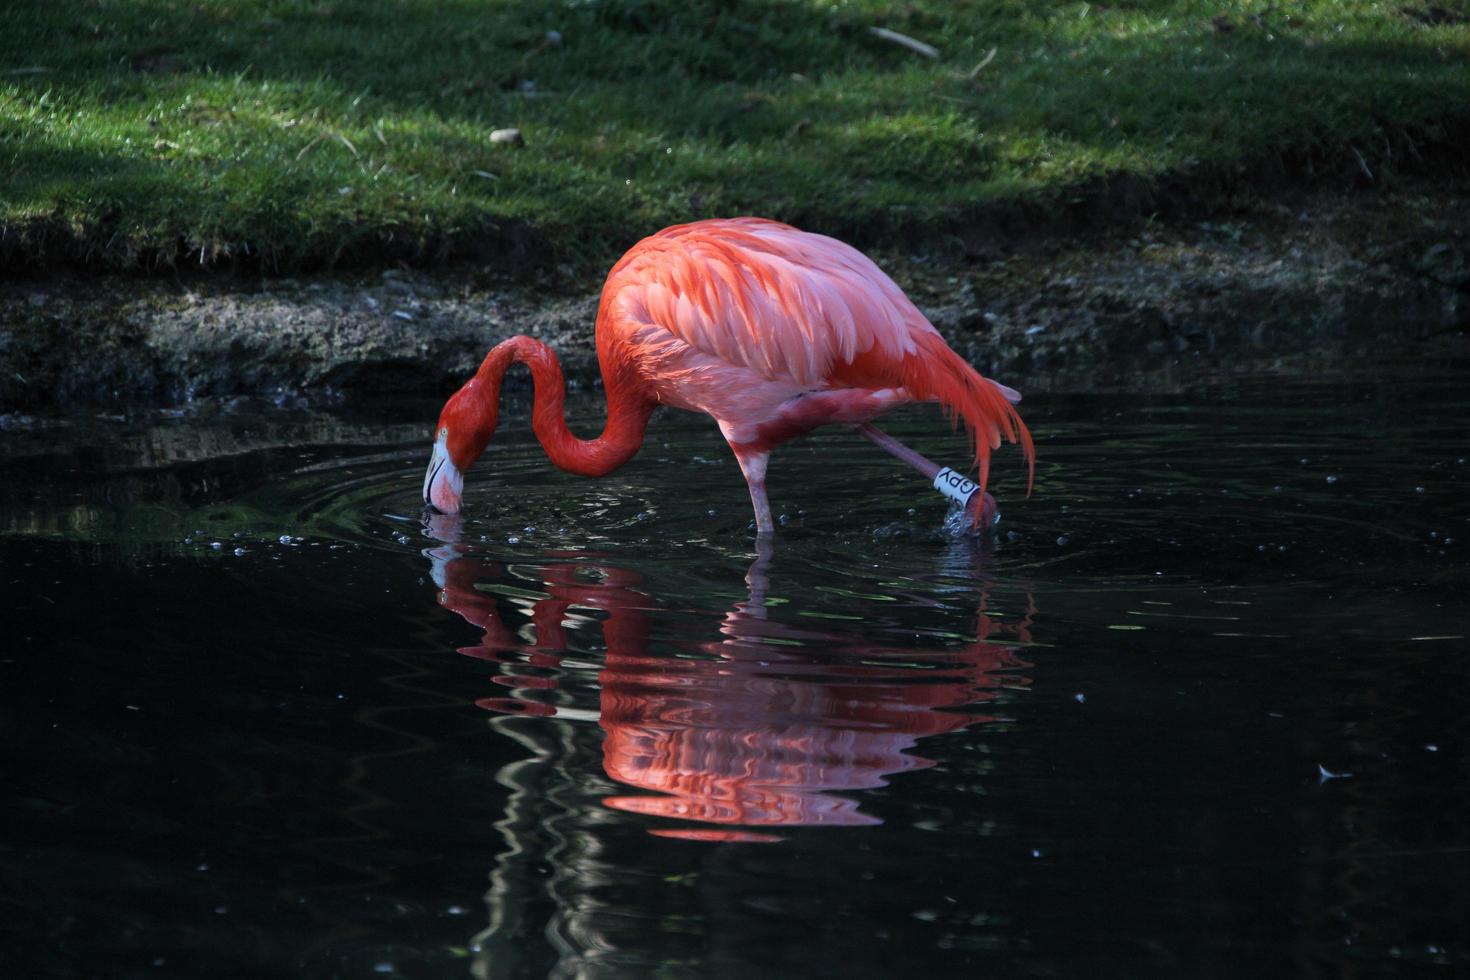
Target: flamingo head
<point>465,427</point>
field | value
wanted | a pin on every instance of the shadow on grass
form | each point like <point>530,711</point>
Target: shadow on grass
<point>92,218</point>
<point>287,135</point>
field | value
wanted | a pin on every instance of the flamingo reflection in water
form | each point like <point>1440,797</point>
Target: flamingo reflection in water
<point>745,734</point>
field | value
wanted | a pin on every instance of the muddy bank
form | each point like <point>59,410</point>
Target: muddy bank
<point>1313,278</point>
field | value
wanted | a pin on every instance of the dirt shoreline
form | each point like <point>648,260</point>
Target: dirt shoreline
<point>1316,277</point>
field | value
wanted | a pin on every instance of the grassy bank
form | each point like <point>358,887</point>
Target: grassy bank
<point>297,134</point>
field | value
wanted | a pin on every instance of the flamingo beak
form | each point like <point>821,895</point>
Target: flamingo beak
<point>443,482</point>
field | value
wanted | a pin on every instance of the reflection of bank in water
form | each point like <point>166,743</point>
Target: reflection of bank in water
<point>736,738</point>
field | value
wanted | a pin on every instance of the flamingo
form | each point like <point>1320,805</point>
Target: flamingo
<point>773,332</point>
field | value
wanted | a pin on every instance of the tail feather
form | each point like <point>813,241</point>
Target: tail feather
<point>939,374</point>
<point>936,373</point>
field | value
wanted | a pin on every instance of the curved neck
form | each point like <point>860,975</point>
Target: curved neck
<point>627,409</point>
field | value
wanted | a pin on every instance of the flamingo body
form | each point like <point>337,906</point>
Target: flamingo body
<point>770,330</point>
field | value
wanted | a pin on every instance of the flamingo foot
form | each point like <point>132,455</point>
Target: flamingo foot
<point>982,513</point>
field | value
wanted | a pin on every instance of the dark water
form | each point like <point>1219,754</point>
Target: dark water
<point>1200,711</point>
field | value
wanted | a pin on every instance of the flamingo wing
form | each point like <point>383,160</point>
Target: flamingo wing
<point>798,308</point>
<point>757,294</point>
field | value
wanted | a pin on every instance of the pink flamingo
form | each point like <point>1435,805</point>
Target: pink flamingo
<point>772,331</point>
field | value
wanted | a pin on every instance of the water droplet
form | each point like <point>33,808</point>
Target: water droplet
<point>1035,853</point>
<point>1332,479</point>
<point>284,539</point>
<point>456,910</point>
<point>384,968</point>
<point>512,539</point>
<point>1418,489</point>
<point>1431,747</point>
<point>239,552</point>
<point>1080,698</point>
<point>1062,541</point>
<point>216,545</point>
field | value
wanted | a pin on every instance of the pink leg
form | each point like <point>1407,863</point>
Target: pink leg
<point>983,509</point>
<point>753,465</point>
<point>877,437</point>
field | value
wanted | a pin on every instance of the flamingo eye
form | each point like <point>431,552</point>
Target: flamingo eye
<point>444,432</point>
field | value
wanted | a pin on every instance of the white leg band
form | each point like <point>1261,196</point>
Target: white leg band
<point>954,486</point>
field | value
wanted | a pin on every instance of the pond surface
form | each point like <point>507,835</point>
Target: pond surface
<point>1199,710</point>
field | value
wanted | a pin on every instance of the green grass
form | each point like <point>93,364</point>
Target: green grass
<point>295,134</point>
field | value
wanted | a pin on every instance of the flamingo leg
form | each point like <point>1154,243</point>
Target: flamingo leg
<point>753,465</point>
<point>878,437</point>
<point>983,510</point>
